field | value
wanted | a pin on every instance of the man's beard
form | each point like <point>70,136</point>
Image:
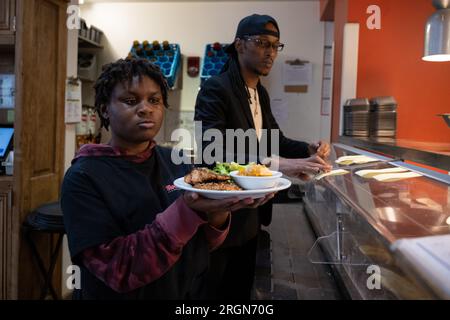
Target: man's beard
<point>260,73</point>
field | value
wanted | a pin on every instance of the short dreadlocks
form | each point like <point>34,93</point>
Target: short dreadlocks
<point>123,71</point>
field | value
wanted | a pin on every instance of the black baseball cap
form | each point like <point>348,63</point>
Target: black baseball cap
<point>254,25</point>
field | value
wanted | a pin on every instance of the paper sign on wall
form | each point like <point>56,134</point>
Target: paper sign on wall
<point>297,76</point>
<point>328,55</point>
<point>73,101</point>
<point>280,111</point>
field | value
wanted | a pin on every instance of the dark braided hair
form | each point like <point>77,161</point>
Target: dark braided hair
<point>123,71</point>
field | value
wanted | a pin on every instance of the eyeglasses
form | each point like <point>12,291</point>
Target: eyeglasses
<point>266,44</point>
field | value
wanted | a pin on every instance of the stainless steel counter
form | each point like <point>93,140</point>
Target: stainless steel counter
<point>358,219</point>
<point>436,155</point>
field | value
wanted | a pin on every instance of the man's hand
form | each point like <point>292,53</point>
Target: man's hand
<point>302,168</point>
<point>321,148</point>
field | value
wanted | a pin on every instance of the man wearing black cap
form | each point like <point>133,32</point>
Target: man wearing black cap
<point>235,99</point>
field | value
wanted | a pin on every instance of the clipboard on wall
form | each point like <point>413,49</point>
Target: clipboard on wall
<point>297,76</point>
<point>73,100</point>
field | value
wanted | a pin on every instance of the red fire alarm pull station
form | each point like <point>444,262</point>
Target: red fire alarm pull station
<point>193,66</point>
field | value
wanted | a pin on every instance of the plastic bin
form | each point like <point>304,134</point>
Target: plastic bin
<point>167,60</point>
<point>213,60</point>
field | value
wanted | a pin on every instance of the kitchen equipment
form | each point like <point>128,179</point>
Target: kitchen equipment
<point>87,66</point>
<point>84,30</point>
<point>446,117</point>
<point>437,33</point>
<point>166,56</point>
<point>9,164</point>
<point>95,34</point>
<point>383,117</point>
<point>7,90</point>
<point>213,60</point>
<point>356,117</point>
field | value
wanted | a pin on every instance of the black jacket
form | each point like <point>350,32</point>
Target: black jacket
<point>222,103</point>
<point>96,201</point>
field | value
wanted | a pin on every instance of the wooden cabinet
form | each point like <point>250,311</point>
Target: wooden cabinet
<point>38,141</point>
<point>7,21</point>
<point>6,230</point>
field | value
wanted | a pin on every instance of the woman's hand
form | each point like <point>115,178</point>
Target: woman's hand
<point>217,211</point>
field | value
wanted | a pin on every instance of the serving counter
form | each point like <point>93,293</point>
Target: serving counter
<point>436,155</point>
<point>360,220</point>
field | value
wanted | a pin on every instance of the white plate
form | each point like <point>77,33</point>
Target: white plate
<point>282,184</point>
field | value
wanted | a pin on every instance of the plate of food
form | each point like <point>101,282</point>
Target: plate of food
<point>228,180</point>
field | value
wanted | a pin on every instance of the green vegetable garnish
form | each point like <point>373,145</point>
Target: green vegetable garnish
<point>226,168</point>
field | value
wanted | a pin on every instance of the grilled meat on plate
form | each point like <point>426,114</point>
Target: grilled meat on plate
<point>200,175</point>
<point>220,186</point>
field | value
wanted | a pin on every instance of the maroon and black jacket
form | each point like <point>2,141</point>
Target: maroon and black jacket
<point>129,230</point>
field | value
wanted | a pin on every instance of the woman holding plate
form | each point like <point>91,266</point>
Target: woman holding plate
<point>131,232</point>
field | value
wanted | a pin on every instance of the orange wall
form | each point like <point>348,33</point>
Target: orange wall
<point>390,64</point>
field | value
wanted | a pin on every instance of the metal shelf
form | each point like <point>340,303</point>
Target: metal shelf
<point>85,43</point>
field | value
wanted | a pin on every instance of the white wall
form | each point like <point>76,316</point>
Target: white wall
<point>349,67</point>
<point>194,24</point>
<point>72,57</point>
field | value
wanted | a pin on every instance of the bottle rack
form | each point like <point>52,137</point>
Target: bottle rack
<point>214,59</point>
<point>165,55</point>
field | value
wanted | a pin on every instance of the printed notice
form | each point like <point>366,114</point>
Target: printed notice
<point>73,101</point>
<point>327,72</point>
<point>328,56</point>
<point>327,89</point>
<point>297,74</point>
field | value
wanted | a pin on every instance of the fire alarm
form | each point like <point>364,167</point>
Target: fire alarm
<point>193,66</point>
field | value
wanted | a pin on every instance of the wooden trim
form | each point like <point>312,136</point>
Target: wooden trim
<point>6,243</point>
<point>12,15</point>
<point>327,10</point>
<point>7,40</point>
<point>7,32</point>
<point>37,182</point>
<point>340,19</point>
<point>13,264</point>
